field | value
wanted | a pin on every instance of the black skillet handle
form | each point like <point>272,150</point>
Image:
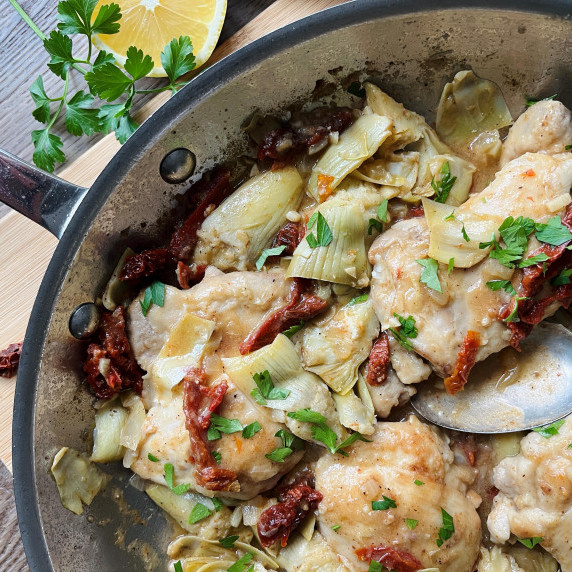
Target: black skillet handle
<point>41,197</point>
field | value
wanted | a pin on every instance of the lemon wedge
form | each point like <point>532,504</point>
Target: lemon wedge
<point>151,24</point>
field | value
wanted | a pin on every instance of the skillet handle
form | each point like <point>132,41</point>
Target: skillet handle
<point>41,197</point>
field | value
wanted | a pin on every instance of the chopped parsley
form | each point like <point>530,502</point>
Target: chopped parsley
<point>323,235</point>
<point>448,528</point>
<point>375,566</point>
<point>563,278</point>
<point>443,186</point>
<point>381,215</point>
<point>276,251</point>
<point>358,300</point>
<point>411,523</point>
<point>418,482</point>
<point>241,564</point>
<point>251,430</point>
<point>290,443</point>
<point>374,224</point>
<point>405,332</point>
<point>154,294</point>
<point>531,542</point>
<point>228,542</point>
<point>294,329</point>
<point>553,232</point>
<point>567,147</point>
<point>169,473</point>
<point>265,389</point>
<point>430,275</point>
<point>452,216</point>
<point>217,504</point>
<point>451,265</point>
<point>178,567</point>
<point>548,431</point>
<point>336,527</point>
<point>279,455</point>
<point>217,457</point>
<point>384,504</point>
<point>152,458</point>
<point>505,285</point>
<point>513,316</point>
<point>532,260</point>
<point>199,512</point>
<point>222,425</point>
<point>530,101</point>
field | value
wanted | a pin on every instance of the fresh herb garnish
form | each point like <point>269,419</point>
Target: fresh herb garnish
<point>336,527</point>
<point>375,566</point>
<point>513,316</point>
<point>384,504</point>
<point>451,265</point>
<point>553,232</point>
<point>276,251</point>
<point>222,425</point>
<point>382,211</point>
<point>169,473</point>
<point>152,458</point>
<point>382,216</point>
<point>531,542</point>
<point>104,78</point>
<point>430,275</point>
<point>323,232</point>
<point>294,329</point>
<point>241,564</point>
<point>199,512</point>
<point>251,430</point>
<point>217,457</point>
<point>290,443</point>
<point>567,147</point>
<point>452,216</point>
<point>448,528</point>
<point>279,455</point>
<point>266,390</point>
<point>405,332</point>
<point>154,294</point>
<point>505,285</point>
<point>533,260</point>
<point>217,504</point>
<point>548,431</point>
<point>357,300</point>
<point>418,482</point>
<point>178,567</point>
<point>515,233</point>
<point>563,278</point>
<point>228,542</point>
<point>531,100</point>
<point>411,523</point>
<point>443,186</point>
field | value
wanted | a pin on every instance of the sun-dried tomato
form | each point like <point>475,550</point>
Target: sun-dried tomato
<point>465,362</point>
<point>199,402</point>
<point>278,521</point>
<point>290,236</point>
<point>302,306</point>
<point>189,275</point>
<point>9,360</point>
<point>122,372</point>
<point>144,264</point>
<point>378,360</point>
<point>391,558</point>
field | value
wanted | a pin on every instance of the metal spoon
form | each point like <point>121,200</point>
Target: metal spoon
<point>508,391</point>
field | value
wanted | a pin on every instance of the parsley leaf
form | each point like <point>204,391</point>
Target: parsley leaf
<point>251,430</point>
<point>531,542</point>
<point>178,567</point>
<point>290,440</point>
<point>375,566</point>
<point>384,504</point>
<point>241,564</point>
<point>336,527</point>
<point>312,220</point>
<point>430,275</point>
<point>407,330</point>
<point>47,149</point>
<point>217,504</point>
<point>81,119</point>
<point>294,329</point>
<point>177,58</point>
<point>553,232</point>
<point>137,64</point>
<point>448,528</point>
<point>228,542</point>
<point>548,431</point>
<point>199,512</point>
<point>323,232</point>
<point>323,433</point>
<point>217,457</point>
<point>505,285</point>
<point>268,252</point>
<point>125,127</point>
<point>266,390</point>
<point>106,20</point>
<point>357,300</point>
<point>59,46</point>
<point>279,455</point>
<point>152,458</point>
<point>533,260</point>
<point>169,476</point>
<point>374,224</point>
<point>41,99</point>
<point>563,278</point>
<point>411,523</point>
<point>107,81</point>
<point>451,265</point>
<point>382,211</point>
<point>154,294</point>
<point>75,16</point>
<point>513,316</point>
<point>307,415</point>
<point>443,186</point>
<point>222,425</point>
<point>355,436</point>
<point>531,100</point>
<point>418,482</point>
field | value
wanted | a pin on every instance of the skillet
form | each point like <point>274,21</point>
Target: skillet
<point>410,47</point>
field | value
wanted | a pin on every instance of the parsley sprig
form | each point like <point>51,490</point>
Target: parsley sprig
<point>323,235</point>
<point>265,389</point>
<point>105,80</point>
<point>430,274</point>
<point>154,294</point>
<point>548,431</point>
<point>407,331</point>
<point>448,528</point>
<point>443,186</point>
<point>290,443</point>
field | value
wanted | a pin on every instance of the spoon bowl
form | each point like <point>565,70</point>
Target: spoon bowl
<point>509,391</point>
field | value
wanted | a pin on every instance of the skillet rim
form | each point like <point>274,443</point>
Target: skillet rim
<point>203,85</point>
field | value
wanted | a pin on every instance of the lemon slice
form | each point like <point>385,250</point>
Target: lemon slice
<point>151,24</point>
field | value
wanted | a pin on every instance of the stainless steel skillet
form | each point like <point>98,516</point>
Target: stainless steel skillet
<point>411,47</point>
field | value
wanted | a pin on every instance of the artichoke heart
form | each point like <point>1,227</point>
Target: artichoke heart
<point>468,106</point>
<point>183,349</point>
<point>78,480</point>
<point>282,362</point>
<point>356,144</point>
<point>233,235</point>
<point>353,414</point>
<point>132,428</point>
<point>446,239</point>
<point>109,422</point>
<point>336,349</point>
<point>116,291</point>
<point>344,259</point>
<point>397,170</point>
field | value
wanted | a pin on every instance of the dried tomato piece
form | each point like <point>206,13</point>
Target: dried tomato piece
<point>465,362</point>
<point>199,402</point>
<point>9,360</point>
<point>290,236</point>
<point>121,371</point>
<point>144,264</point>
<point>302,306</point>
<point>278,521</point>
<point>189,275</point>
<point>378,360</point>
<point>391,558</point>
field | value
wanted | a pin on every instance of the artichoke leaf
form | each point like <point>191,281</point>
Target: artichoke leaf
<point>394,170</point>
<point>116,291</point>
<point>109,422</point>
<point>358,143</point>
<point>468,106</point>
<point>354,414</point>
<point>78,480</point>
<point>132,428</point>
